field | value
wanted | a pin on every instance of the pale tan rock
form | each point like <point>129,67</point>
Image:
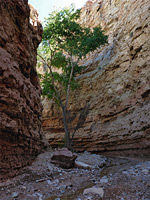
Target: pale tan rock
<point>82,165</point>
<point>94,190</point>
<point>116,83</point>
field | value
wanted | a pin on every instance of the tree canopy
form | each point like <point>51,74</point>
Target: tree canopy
<point>65,42</point>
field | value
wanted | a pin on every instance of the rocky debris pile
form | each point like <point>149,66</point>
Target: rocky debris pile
<point>107,178</point>
<point>64,158</point>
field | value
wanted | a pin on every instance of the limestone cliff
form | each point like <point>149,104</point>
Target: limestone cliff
<point>115,84</point>
<point>20,104</point>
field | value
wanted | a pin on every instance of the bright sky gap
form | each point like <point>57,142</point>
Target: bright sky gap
<point>44,7</point>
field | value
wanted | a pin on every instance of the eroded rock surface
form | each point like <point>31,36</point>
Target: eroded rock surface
<point>115,84</point>
<point>20,104</point>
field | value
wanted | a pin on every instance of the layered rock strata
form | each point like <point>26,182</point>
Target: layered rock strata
<point>115,85</point>
<point>20,104</point>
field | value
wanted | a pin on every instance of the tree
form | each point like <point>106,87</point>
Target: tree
<point>65,42</point>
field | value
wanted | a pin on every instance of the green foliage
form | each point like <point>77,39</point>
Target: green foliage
<point>61,81</point>
<point>64,43</point>
<point>64,38</point>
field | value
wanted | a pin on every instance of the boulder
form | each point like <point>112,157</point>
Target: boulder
<point>95,191</point>
<point>64,158</point>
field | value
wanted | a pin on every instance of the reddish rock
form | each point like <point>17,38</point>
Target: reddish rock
<point>20,104</point>
<point>64,158</point>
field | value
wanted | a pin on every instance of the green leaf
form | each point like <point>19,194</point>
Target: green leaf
<point>64,40</point>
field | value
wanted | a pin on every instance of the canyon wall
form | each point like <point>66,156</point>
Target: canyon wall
<point>114,87</point>
<point>20,104</point>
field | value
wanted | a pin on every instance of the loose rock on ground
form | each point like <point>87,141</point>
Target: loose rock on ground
<point>106,179</point>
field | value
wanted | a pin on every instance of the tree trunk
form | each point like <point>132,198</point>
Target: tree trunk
<point>67,133</point>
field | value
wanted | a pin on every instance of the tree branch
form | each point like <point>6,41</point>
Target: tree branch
<point>53,80</point>
<point>69,84</point>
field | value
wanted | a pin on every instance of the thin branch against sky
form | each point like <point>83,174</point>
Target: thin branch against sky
<point>44,7</point>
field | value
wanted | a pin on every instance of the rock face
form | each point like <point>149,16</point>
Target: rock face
<point>115,84</point>
<point>20,104</point>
